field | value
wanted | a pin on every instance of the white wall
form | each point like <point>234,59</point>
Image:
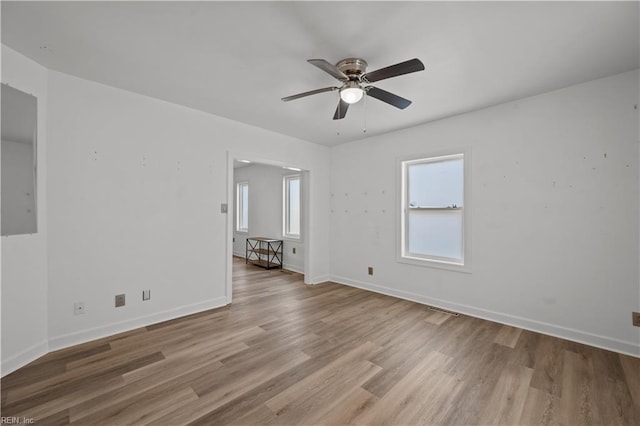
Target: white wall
<point>554,213</point>
<point>24,257</point>
<point>265,212</point>
<point>134,203</point>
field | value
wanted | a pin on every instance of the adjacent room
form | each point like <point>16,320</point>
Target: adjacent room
<point>326,212</point>
<point>269,206</point>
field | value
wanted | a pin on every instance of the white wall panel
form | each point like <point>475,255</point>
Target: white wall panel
<point>554,213</point>
<point>24,257</point>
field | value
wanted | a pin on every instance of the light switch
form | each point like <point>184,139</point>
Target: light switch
<point>223,208</point>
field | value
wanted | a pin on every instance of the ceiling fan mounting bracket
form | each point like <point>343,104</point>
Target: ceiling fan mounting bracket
<point>352,67</point>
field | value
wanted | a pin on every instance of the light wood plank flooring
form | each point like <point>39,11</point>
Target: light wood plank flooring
<point>290,354</point>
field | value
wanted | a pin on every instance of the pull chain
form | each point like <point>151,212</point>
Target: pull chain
<point>364,126</point>
<point>338,121</point>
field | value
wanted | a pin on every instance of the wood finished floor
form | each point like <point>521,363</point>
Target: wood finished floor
<point>290,354</point>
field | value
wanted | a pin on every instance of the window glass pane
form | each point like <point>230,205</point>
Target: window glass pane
<point>245,207</point>
<point>435,233</point>
<point>432,230</point>
<point>293,206</point>
<point>439,183</point>
<point>242,207</point>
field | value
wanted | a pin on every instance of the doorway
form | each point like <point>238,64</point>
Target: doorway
<point>267,200</point>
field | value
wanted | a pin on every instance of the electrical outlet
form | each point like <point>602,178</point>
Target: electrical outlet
<point>636,318</point>
<point>78,308</point>
<point>146,294</point>
<point>119,300</point>
<point>370,270</point>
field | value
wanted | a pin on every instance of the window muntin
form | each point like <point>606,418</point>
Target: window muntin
<point>291,215</point>
<point>433,222</point>
<point>242,212</point>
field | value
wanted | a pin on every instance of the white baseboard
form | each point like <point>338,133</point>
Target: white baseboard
<point>320,279</point>
<point>293,268</point>
<point>603,342</point>
<point>71,339</point>
<point>23,358</point>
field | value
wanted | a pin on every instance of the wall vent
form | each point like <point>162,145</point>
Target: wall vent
<point>443,311</point>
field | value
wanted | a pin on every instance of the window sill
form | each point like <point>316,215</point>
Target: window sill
<point>448,266</point>
<point>292,239</point>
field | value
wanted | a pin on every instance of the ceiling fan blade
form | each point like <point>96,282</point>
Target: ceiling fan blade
<point>387,97</point>
<point>309,93</point>
<point>341,110</point>
<point>402,68</point>
<point>328,67</point>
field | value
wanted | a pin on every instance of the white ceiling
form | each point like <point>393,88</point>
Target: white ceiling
<point>237,59</point>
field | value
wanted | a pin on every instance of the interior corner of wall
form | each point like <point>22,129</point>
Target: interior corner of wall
<point>14,362</point>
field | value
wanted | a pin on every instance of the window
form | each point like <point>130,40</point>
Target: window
<point>242,212</point>
<point>433,210</point>
<point>291,216</point>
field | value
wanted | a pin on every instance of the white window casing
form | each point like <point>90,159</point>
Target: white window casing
<point>242,207</point>
<point>435,210</point>
<point>291,207</point>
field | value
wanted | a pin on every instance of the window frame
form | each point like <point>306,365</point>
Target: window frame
<point>285,206</point>
<point>402,253</point>
<point>240,205</point>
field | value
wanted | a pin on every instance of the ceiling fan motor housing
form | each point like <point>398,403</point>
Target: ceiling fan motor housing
<point>352,67</point>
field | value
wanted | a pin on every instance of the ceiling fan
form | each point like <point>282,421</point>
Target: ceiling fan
<point>352,73</point>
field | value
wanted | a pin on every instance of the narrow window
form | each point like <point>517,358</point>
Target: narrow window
<point>291,216</point>
<point>433,205</point>
<point>242,212</point>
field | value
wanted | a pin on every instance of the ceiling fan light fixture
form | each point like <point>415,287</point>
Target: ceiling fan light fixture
<point>351,92</point>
